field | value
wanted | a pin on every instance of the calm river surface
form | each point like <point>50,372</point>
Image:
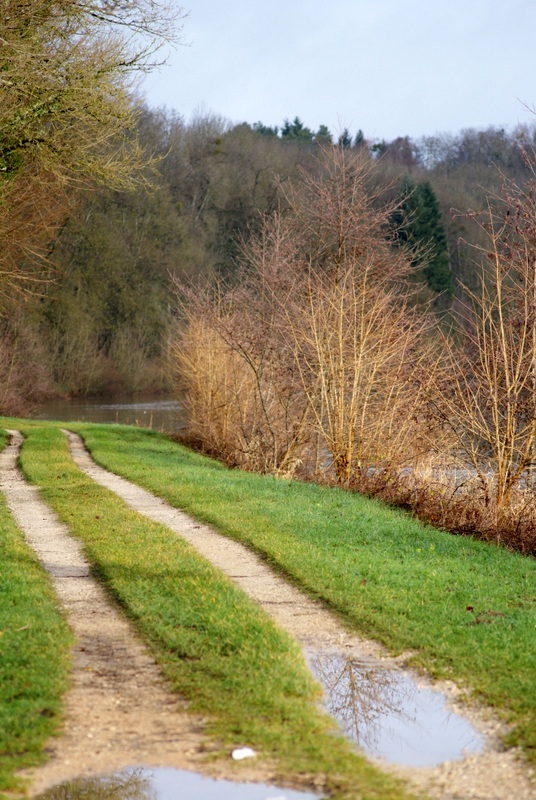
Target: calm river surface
<point>145,411</point>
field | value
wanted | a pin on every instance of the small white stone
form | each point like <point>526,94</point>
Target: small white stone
<point>243,752</point>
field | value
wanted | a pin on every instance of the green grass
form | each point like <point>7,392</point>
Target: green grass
<point>388,576</point>
<point>34,654</point>
<point>215,646</point>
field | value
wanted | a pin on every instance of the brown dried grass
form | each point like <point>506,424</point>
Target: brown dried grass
<point>440,497</point>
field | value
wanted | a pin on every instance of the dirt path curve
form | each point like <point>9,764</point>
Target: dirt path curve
<point>493,775</point>
<point>118,710</point>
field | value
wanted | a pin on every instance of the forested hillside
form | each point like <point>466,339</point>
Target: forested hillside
<point>330,355</point>
<point>87,300</point>
<point>106,313</point>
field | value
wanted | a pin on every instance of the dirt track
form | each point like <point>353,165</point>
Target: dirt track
<point>119,713</point>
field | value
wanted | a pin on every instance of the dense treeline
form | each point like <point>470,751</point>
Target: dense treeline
<point>103,312</point>
<point>68,71</point>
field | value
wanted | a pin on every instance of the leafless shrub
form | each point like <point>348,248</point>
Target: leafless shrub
<point>233,387</point>
<point>487,396</point>
<point>316,349</point>
<point>359,346</point>
<point>484,391</point>
<point>318,363</point>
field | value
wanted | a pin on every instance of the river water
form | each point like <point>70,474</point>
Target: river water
<point>157,412</point>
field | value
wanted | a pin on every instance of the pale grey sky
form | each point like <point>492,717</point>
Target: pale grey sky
<point>389,67</point>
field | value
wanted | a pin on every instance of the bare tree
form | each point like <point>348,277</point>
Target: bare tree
<point>358,343</point>
<point>488,395</point>
<point>318,342</point>
<point>67,102</point>
<point>236,376</point>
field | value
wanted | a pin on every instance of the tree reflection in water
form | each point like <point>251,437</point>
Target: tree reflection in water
<point>387,714</point>
<point>128,785</point>
<point>359,696</point>
<point>166,783</point>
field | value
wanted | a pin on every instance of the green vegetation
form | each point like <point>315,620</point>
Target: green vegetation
<point>215,646</point>
<point>464,608</point>
<point>34,646</point>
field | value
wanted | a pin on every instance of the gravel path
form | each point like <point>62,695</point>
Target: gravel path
<point>118,711</point>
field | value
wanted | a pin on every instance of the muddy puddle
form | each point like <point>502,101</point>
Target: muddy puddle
<point>388,715</point>
<point>139,783</point>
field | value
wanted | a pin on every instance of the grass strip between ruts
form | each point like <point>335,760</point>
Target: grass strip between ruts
<point>34,654</point>
<point>467,609</point>
<point>215,646</point>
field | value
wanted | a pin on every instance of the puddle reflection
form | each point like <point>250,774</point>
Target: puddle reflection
<point>131,784</point>
<point>138,783</point>
<point>388,715</point>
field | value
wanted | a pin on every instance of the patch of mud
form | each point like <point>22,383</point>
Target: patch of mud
<point>118,711</point>
<point>493,774</point>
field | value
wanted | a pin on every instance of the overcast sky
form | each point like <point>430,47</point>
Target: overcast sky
<point>388,67</point>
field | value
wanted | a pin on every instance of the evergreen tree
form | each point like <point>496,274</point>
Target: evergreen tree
<point>359,140</point>
<point>379,149</point>
<point>265,130</point>
<point>345,139</point>
<point>296,130</point>
<point>420,226</point>
<point>323,136</point>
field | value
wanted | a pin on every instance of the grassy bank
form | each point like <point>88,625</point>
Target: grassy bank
<point>34,647</point>
<point>215,646</point>
<point>465,608</point>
